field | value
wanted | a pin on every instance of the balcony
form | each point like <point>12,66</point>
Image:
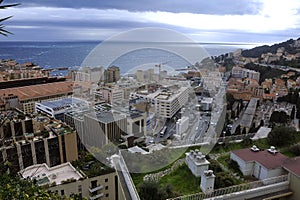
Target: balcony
<point>96,196</point>
<point>92,190</point>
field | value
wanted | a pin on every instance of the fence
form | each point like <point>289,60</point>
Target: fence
<point>236,188</point>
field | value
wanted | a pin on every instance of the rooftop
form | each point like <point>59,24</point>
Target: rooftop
<point>64,103</point>
<point>293,165</point>
<point>249,113</point>
<point>265,158</point>
<point>48,175</point>
<point>107,116</point>
<point>263,132</point>
<point>40,90</point>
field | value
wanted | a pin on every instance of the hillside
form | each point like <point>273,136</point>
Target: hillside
<point>290,47</point>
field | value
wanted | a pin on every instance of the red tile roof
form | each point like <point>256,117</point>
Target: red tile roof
<point>265,158</point>
<point>293,165</point>
<point>40,90</point>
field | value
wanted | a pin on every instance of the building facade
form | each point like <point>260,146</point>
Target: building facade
<point>24,144</point>
<point>239,72</point>
<point>112,74</point>
<point>24,98</point>
<point>167,101</point>
<point>66,181</point>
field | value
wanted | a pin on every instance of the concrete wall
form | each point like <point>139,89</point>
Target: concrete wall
<point>294,186</point>
<point>274,172</point>
<point>257,192</point>
<point>245,167</point>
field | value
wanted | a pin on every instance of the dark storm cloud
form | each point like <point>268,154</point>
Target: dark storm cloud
<point>220,7</point>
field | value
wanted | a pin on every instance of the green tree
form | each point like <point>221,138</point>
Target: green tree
<point>2,27</point>
<point>150,190</point>
<point>230,101</point>
<point>238,130</point>
<point>293,113</point>
<point>279,117</point>
<point>281,136</point>
<point>262,123</point>
<point>244,131</point>
<point>12,187</point>
<point>295,149</point>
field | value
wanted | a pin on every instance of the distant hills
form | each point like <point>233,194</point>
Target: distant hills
<point>290,47</point>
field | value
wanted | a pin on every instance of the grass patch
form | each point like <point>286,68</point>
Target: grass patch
<point>182,181</point>
<point>224,159</point>
<point>223,148</point>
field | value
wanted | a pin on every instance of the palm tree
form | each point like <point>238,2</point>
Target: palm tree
<point>2,30</point>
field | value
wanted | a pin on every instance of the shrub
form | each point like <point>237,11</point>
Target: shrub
<point>295,149</point>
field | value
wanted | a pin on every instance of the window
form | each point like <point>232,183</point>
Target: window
<point>106,187</point>
<point>62,192</point>
<point>94,183</point>
<point>79,188</point>
<point>106,195</point>
<point>106,180</point>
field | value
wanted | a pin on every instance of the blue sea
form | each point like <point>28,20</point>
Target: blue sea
<point>72,54</point>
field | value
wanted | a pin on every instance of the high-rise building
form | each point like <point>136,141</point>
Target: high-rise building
<point>54,145</point>
<point>112,74</point>
<point>139,75</point>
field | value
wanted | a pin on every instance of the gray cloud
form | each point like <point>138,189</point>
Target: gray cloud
<point>221,7</point>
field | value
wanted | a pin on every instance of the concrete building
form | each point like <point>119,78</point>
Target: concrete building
<point>292,166</point>
<point>260,164</point>
<point>182,125</point>
<point>207,182</point>
<point>167,101</point>
<point>55,144</point>
<point>206,103</point>
<point>65,180</point>
<point>140,75</point>
<point>111,95</point>
<point>97,128</point>
<point>112,74</point>
<point>196,162</point>
<point>239,72</point>
<point>58,108</point>
<point>25,97</point>
<point>87,74</point>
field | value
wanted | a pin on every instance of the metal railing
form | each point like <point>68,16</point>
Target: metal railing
<point>235,137</point>
<point>234,189</point>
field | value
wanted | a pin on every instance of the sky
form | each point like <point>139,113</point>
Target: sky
<point>225,21</point>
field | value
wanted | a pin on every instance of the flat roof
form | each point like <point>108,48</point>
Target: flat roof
<point>207,100</point>
<point>48,175</point>
<point>265,158</point>
<point>262,132</point>
<point>64,103</point>
<point>137,149</point>
<point>106,116</point>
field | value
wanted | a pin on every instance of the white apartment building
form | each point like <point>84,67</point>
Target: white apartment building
<point>110,95</point>
<point>239,72</point>
<point>167,102</point>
